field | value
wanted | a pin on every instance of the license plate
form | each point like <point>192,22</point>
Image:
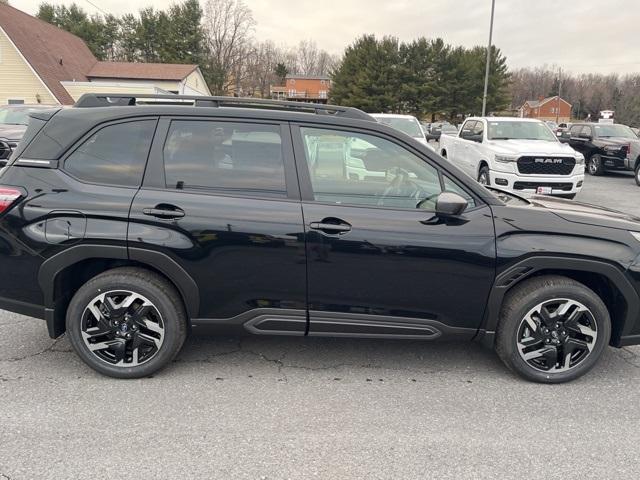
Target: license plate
<point>544,190</point>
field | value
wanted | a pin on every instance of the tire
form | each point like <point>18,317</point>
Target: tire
<point>484,177</point>
<point>594,165</point>
<point>638,174</point>
<point>137,339</point>
<point>516,337</point>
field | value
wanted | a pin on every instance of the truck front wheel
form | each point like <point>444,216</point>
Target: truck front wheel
<point>483,177</point>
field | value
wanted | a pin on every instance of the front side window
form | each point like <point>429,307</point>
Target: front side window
<point>114,155</point>
<point>360,169</point>
<point>225,157</point>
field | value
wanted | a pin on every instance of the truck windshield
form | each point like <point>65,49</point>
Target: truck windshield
<point>607,130</point>
<point>514,130</point>
<point>410,126</point>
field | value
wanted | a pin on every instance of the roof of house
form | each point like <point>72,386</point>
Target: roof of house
<point>141,71</point>
<point>308,77</point>
<point>53,53</point>
<point>537,103</point>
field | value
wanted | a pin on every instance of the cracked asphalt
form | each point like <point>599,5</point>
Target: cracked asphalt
<point>292,408</point>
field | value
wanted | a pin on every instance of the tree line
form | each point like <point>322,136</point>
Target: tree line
<point>588,93</point>
<point>426,78</point>
<point>218,35</point>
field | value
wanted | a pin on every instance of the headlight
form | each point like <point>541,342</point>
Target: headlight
<point>579,159</point>
<point>505,158</point>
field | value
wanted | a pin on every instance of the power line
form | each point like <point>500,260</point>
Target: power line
<point>95,6</point>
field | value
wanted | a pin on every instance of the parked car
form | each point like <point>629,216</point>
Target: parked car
<point>448,129</point>
<point>553,126</point>
<point>435,131</point>
<point>517,154</point>
<point>134,224</point>
<point>407,124</point>
<point>607,147</point>
<point>13,124</point>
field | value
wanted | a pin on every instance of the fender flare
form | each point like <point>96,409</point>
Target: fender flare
<point>529,266</point>
<point>52,267</point>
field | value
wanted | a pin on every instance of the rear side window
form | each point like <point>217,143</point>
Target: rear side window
<point>225,157</point>
<point>114,155</point>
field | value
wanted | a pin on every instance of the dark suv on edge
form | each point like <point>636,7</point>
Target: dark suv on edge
<point>129,223</point>
<point>606,146</point>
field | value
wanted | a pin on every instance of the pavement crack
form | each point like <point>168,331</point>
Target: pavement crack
<point>4,476</point>
<point>49,348</point>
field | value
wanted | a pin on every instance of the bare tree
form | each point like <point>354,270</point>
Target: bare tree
<point>228,25</point>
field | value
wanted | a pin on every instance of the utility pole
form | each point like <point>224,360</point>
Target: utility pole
<point>559,90</point>
<point>486,71</point>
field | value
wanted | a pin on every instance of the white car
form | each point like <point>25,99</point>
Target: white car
<point>517,154</point>
<point>407,124</point>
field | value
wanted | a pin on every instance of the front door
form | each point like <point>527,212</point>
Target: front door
<point>221,200</point>
<point>377,264</point>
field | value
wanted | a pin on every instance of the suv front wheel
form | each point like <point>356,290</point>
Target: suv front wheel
<point>127,323</point>
<point>552,329</point>
<point>638,174</point>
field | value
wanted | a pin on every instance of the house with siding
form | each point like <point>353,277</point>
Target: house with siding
<point>41,63</point>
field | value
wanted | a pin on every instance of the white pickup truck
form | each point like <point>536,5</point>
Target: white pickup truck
<point>517,154</point>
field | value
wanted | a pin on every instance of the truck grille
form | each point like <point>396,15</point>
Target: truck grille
<point>534,185</point>
<point>546,165</point>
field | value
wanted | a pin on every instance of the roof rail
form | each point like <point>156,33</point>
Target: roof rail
<point>89,100</point>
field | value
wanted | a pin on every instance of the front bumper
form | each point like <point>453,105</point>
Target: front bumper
<point>560,184</point>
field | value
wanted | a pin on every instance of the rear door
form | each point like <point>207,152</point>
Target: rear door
<point>220,200</point>
<point>377,264</point>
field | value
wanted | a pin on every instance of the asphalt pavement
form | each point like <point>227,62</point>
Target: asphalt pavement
<point>291,408</point>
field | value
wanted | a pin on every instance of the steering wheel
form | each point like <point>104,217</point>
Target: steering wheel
<point>401,187</point>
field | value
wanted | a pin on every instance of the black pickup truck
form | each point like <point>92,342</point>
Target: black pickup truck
<point>606,147</point>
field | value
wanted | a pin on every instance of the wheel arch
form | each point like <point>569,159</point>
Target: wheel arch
<point>482,163</point>
<point>63,274</point>
<point>606,280</point>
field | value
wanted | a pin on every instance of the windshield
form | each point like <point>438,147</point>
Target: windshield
<point>449,129</point>
<point>15,116</point>
<point>514,130</point>
<point>605,130</point>
<point>410,126</point>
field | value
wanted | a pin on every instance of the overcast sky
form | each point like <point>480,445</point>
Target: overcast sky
<point>598,36</point>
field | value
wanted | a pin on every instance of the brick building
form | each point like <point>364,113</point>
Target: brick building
<point>547,109</point>
<point>303,88</point>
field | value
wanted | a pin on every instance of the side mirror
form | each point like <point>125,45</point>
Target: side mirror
<point>449,204</point>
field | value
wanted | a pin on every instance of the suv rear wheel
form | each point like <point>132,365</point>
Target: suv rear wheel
<point>127,323</point>
<point>552,329</point>
<point>638,174</point>
<point>595,166</point>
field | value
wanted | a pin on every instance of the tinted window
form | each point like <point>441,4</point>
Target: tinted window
<point>114,155</point>
<point>451,186</point>
<point>575,130</point>
<point>586,130</point>
<point>359,169</point>
<point>226,157</point>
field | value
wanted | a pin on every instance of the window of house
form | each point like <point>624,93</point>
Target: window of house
<point>114,155</point>
<point>15,101</point>
<point>359,169</point>
<point>225,157</point>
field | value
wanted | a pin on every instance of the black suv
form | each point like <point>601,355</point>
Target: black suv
<point>130,221</point>
<point>606,146</point>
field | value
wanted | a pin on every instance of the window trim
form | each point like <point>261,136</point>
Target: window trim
<point>306,187</point>
<point>71,150</point>
<point>155,174</point>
